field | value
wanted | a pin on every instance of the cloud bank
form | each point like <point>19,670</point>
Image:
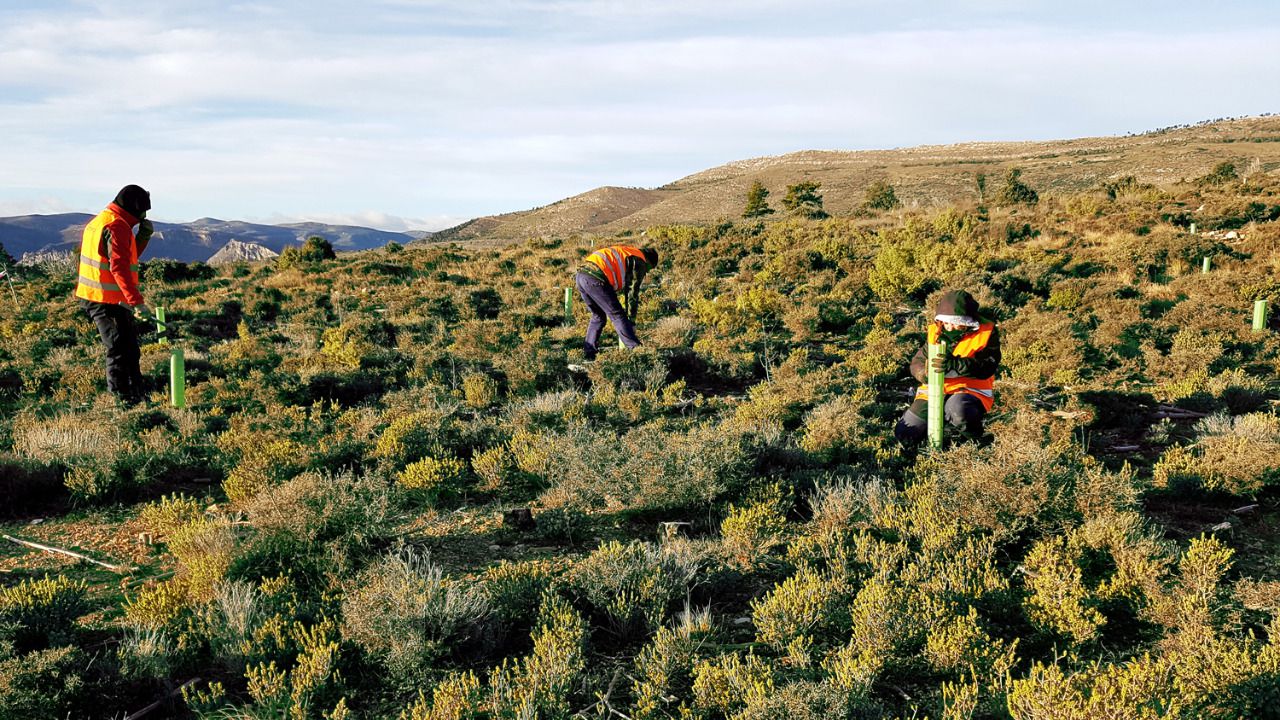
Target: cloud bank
<point>429,111</point>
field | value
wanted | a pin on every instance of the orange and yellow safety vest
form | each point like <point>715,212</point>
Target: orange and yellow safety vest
<point>102,280</point>
<point>971,344</point>
<point>612,261</point>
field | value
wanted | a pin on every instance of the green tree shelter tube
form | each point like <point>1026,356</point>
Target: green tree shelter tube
<point>162,328</point>
<point>937,398</point>
<point>568,306</point>
<point>177,379</point>
<point>1259,316</point>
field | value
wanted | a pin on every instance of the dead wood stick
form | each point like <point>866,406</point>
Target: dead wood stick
<point>60,551</point>
<point>158,703</point>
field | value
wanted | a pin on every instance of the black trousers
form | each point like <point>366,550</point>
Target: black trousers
<point>602,301</point>
<point>962,412</point>
<point>120,338</point>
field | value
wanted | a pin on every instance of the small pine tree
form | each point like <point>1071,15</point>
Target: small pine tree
<point>757,201</point>
<point>1222,174</point>
<point>880,196</point>
<point>1016,192</point>
<point>803,200</point>
<point>317,248</point>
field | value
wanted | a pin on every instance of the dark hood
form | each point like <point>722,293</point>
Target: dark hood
<point>134,200</point>
<point>957,302</point>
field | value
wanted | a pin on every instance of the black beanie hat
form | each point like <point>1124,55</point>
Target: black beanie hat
<point>957,303</point>
<point>650,256</point>
<point>134,200</point>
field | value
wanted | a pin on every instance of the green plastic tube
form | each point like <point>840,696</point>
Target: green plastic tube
<point>568,306</point>
<point>1204,266</point>
<point>162,328</point>
<point>1259,316</point>
<point>177,379</point>
<point>937,398</point>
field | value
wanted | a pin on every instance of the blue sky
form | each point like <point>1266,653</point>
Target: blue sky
<point>418,114</point>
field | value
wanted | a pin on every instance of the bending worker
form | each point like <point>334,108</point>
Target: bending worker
<point>606,275</point>
<point>108,286</point>
<point>973,354</point>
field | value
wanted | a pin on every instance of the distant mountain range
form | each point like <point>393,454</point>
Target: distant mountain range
<point>922,177</point>
<point>38,235</point>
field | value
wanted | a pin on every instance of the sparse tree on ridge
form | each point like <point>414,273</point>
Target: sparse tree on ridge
<point>1016,192</point>
<point>803,200</point>
<point>757,201</point>
<point>880,196</point>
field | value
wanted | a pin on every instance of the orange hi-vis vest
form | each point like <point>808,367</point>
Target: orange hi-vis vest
<point>612,261</point>
<point>971,344</point>
<point>97,282</point>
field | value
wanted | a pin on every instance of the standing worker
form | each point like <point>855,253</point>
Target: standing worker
<point>607,274</point>
<point>973,354</point>
<point>108,286</point>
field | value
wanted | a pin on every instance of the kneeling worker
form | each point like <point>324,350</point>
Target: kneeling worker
<point>605,275</point>
<point>973,354</point>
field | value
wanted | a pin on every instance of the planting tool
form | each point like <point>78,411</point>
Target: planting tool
<point>937,398</point>
<point>623,302</point>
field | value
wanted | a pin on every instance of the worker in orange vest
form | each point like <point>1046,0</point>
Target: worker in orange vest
<point>108,286</point>
<point>973,354</point>
<point>606,275</point>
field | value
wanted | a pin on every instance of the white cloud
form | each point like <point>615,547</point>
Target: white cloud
<point>258,110</point>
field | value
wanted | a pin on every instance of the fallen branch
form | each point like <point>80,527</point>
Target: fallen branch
<point>69,553</point>
<point>1176,413</point>
<point>161,701</point>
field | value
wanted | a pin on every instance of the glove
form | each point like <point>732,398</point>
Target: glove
<point>142,311</point>
<point>145,231</point>
<point>942,363</point>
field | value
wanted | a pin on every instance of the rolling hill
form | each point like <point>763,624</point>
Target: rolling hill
<point>924,176</point>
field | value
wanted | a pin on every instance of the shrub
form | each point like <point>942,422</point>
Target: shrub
<point>729,683</point>
<point>169,513</point>
<point>434,478</point>
<point>43,684</point>
<point>802,615</point>
<point>632,585</point>
<point>327,521</point>
<point>156,607</point>
<point>405,613</point>
<point>1016,192</point>
<point>664,667</point>
<point>880,196</point>
<point>514,589</point>
<point>1236,455</point>
<point>479,391</point>
<point>37,614</point>
<point>540,684</point>
<point>748,534</point>
<point>204,550</point>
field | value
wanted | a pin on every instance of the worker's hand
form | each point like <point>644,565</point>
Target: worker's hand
<point>942,363</point>
<point>142,311</point>
<point>145,231</point>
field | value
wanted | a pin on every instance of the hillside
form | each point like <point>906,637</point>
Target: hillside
<point>187,242</point>
<point>923,177</point>
<point>389,497</point>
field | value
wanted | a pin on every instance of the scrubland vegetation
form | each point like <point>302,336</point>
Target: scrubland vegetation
<point>723,526</point>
